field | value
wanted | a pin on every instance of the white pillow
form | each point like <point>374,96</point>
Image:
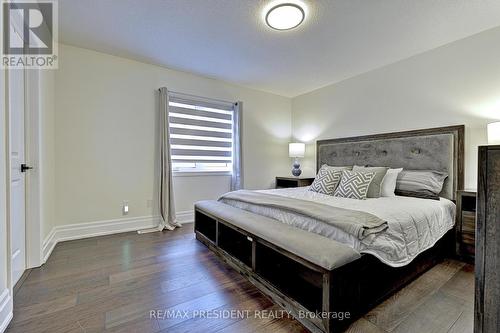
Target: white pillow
<point>388,185</point>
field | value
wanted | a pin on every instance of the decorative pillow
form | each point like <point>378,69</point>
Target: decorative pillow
<point>388,185</point>
<point>354,185</point>
<point>326,180</point>
<point>420,183</point>
<point>374,188</point>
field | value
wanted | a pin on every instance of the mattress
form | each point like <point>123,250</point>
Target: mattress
<point>414,225</point>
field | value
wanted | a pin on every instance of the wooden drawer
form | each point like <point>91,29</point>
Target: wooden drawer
<point>466,228</point>
<point>468,235</point>
<point>468,222</point>
<point>468,239</point>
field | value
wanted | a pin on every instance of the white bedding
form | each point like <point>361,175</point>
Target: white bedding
<point>414,224</point>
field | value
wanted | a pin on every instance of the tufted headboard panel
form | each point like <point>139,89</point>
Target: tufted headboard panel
<point>440,149</point>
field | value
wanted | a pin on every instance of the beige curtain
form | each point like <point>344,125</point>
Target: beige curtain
<point>237,174</point>
<point>166,192</point>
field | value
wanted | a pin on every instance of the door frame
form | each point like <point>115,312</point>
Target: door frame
<point>33,234</point>
<point>8,255</point>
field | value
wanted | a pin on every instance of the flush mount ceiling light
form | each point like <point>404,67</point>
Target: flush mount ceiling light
<point>285,16</point>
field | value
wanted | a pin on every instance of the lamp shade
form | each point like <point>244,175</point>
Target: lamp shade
<point>494,133</point>
<point>296,149</point>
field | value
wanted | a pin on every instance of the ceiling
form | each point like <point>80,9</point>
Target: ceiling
<point>227,39</point>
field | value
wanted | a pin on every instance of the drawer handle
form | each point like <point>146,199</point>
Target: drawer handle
<point>250,239</point>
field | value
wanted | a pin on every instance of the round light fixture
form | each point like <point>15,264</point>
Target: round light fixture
<point>285,16</point>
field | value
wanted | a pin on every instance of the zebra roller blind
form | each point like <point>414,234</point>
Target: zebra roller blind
<point>201,133</point>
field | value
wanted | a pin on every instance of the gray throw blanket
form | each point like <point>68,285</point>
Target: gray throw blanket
<point>357,223</point>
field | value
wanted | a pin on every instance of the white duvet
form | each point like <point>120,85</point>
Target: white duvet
<point>414,224</point>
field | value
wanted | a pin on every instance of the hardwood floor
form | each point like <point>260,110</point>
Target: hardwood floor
<point>120,283</point>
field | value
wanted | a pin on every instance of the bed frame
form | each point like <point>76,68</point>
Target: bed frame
<point>333,299</point>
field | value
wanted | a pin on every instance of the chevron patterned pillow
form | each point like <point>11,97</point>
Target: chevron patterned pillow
<point>354,185</point>
<point>326,180</point>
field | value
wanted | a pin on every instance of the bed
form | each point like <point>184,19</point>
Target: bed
<point>320,257</point>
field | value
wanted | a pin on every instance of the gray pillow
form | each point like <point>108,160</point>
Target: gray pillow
<point>420,183</point>
<point>375,185</point>
<point>336,168</point>
<point>326,180</point>
<point>354,185</point>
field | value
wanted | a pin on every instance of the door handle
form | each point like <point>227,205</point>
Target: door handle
<point>25,167</point>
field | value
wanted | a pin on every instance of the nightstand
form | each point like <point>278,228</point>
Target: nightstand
<point>283,182</point>
<point>466,225</point>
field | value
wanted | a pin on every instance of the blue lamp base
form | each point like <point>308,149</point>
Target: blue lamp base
<point>296,168</point>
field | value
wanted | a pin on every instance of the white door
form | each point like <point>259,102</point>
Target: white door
<point>17,177</point>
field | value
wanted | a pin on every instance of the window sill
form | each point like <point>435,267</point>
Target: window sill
<point>200,173</point>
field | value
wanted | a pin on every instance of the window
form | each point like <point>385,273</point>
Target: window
<point>201,134</point>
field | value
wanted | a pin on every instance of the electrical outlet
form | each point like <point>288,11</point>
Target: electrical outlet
<point>125,208</point>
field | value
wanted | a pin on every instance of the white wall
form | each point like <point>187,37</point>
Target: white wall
<point>455,84</point>
<point>105,122</point>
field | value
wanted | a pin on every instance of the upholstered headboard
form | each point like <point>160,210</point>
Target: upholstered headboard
<point>440,149</point>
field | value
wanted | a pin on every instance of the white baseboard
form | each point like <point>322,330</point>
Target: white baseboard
<point>48,245</point>
<point>5,310</point>
<point>100,228</point>
<point>186,216</point>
